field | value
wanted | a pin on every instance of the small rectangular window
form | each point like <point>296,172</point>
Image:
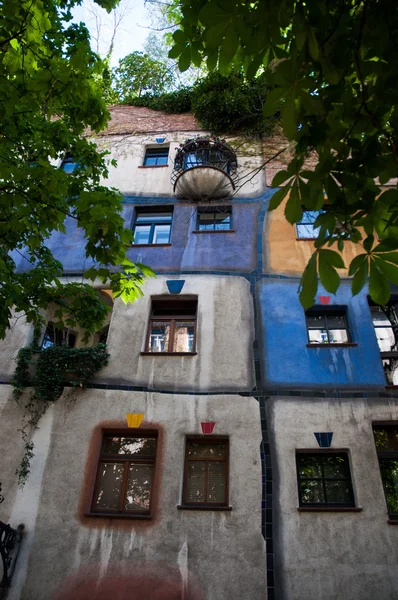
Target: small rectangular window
<point>327,325</point>
<point>156,157</point>
<point>386,439</point>
<point>125,473</point>
<point>153,225</point>
<point>206,473</point>
<point>385,323</point>
<point>69,164</point>
<point>324,479</point>
<point>172,327</point>
<point>57,337</point>
<point>214,219</point>
<point>305,228</point>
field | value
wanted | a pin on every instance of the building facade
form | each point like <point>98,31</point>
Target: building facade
<point>259,456</point>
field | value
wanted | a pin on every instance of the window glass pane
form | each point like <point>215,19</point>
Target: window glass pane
<point>319,336</point>
<point>379,317</point>
<point>389,474</point>
<point>184,336</point>
<point>338,492</point>
<point>386,439</point>
<point>335,466</point>
<point>162,160</point>
<point>193,160</point>
<point>145,446</point>
<point>385,338</point>
<point>196,481</point>
<point>150,161</point>
<point>159,337</point>
<point>201,450</point>
<point>312,492</point>
<point>216,481</point>
<point>309,466</point>
<point>336,321</point>
<point>338,336</point>
<point>154,217</point>
<point>139,485</point>
<point>310,216</point>
<point>306,231</point>
<point>142,234</point>
<point>161,234</point>
<point>110,484</point>
<point>315,320</point>
<point>206,221</point>
<point>222,221</point>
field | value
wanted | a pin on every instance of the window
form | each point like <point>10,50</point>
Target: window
<point>125,475</point>
<point>305,228</point>
<point>219,219</point>
<point>206,473</point>
<point>69,164</point>
<point>156,157</point>
<point>153,226</point>
<point>324,479</point>
<point>385,323</point>
<point>57,337</point>
<point>172,326</point>
<point>327,326</point>
<point>386,438</point>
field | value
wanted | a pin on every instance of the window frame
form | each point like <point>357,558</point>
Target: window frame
<point>102,457</point>
<point>71,335</point>
<point>172,320</point>
<point>152,209</point>
<point>213,211</point>
<point>206,440</point>
<point>325,311</point>
<point>325,505</point>
<point>156,150</point>
<point>383,456</point>
<point>385,355</point>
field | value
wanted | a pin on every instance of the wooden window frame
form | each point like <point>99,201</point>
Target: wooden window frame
<point>325,505</point>
<point>213,211</point>
<point>153,209</point>
<point>325,311</point>
<point>117,458</point>
<point>162,154</point>
<point>206,505</point>
<point>172,321</point>
<point>386,455</point>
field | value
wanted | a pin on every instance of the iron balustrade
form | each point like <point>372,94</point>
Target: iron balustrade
<point>10,541</point>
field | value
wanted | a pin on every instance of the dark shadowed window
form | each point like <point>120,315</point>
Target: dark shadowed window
<point>156,157</point>
<point>206,473</point>
<point>57,337</point>
<point>214,219</point>
<point>327,325</point>
<point>172,326</point>
<point>324,479</point>
<point>125,473</point>
<point>386,438</point>
<point>152,225</point>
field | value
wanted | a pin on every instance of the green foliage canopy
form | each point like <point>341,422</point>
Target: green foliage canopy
<point>138,73</point>
<point>333,68</point>
<point>49,99</point>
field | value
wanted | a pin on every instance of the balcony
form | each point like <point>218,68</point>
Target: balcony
<point>205,169</point>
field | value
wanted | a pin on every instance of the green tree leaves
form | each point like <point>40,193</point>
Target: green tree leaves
<point>138,74</point>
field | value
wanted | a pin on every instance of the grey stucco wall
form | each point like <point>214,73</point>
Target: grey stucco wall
<point>331,555</point>
<point>224,339</point>
<point>223,551</point>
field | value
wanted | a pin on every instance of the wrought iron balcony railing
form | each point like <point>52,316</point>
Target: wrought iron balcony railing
<point>205,168</point>
<point>10,541</point>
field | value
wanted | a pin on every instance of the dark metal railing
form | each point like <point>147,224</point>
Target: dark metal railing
<point>205,151</point>
<point>10,541</point>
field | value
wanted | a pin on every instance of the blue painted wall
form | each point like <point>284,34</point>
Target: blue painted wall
<point>286,360</point>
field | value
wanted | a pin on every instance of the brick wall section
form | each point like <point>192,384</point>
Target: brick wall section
<point>271,146</point>
<point>137,119</point>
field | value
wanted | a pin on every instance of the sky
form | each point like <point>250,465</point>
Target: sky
<point>131,33</point>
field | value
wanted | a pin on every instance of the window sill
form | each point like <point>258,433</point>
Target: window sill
<point>391,387</point>
<point>168,353</point>
<point>214,231</point>
<point>149,245</point>
<point>203,507</point>
<point>392,521</point>
<point>153,166</point>
<point>329,508</point>
<point>305,239</point>
<point>106,515</point>
<point>342,345</point>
